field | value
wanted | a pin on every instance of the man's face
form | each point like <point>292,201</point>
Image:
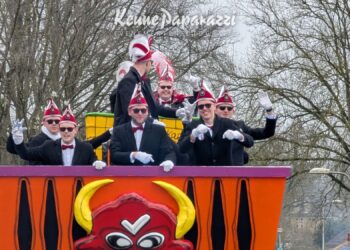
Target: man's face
<point>148,66</point>
<point>165,90</point>
<point>138,113</point>
<point>206,109</point>
<point>51,123</point>
<point>68,132</point>
<point>224,110</point>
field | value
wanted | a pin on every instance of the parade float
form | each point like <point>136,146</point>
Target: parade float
<point>124,207</point>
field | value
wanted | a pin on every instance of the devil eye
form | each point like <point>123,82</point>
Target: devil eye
<point>118,241</point>
<point>151,240</point>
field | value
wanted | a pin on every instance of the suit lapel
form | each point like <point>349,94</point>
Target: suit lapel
<point>77,153</point>
<point>130,136</point>
<point>216,126</point>
<point>59,151</point>
<point>146,135</point>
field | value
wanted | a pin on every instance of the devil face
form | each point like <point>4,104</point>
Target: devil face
<point>133,223</point>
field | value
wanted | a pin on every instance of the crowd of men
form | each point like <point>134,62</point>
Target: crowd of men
<point>138,138</point>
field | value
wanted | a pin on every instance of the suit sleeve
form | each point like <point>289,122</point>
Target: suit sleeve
<point>112,99</point>
<point>97,141</point>
<point>117,156</point>
<point>124,93</point>
<point>248,140</point>
<point>166,111</point>
<point>92,155</point>
<point>166,148</point>
<point>185,145</point>
<point>10,145</point>
<point>31,153</point>
<point>262,133</point>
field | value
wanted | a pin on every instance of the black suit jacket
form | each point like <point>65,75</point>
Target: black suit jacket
<point>35,141</point>
<point>258,133</point>
<point>213,150</point>
<point>154,141</point>
<point>50,153</point>
<point>120,98</point>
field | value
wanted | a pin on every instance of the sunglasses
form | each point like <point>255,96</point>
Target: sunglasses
<point>165,87</point>
<point>222,108</point>
<point>136,111</point>
<point>53,121</point>
<point>207,105</point>
<point>62,129</point>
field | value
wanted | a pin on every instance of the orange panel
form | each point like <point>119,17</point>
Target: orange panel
<point>230,201</point>
<point>9,197</point>
<point>203,190</point>
<point>64,193</point>
<point>265,196</point>
<point>37,190</point>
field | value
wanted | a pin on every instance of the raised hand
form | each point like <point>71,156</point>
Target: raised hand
<point>264,100</point>
<point>17,131</point>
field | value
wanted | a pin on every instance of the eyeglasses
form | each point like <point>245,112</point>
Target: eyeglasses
<point>62,129</point>
<point>207,105</point>
<point>222,108</point>
<point>165,87</point>
<point>136,111</point>
<point>53,121</point>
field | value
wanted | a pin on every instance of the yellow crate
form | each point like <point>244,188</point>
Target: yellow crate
<point>96,124</point>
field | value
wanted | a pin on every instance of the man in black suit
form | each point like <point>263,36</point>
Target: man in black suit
<point>67,150</point>
<point>212,138</point>
<point>225,108</point>
<point>140,54</point>
<point>140,142</point>
<point>49,130</point>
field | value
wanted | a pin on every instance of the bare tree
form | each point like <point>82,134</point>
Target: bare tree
<point>301,56</point>
<point>70,50</point>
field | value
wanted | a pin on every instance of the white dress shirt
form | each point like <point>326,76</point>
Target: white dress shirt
<point>138,135</point>
<point>67,154</point>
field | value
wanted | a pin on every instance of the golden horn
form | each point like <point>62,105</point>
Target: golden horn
<point>187,213</point>
<point>82,212</point>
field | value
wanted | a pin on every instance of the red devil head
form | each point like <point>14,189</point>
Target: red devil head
<point>133,223</point>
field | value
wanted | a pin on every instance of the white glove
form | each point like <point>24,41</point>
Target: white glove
<point>189,111</point>
<point>17,131</point>
<point>99,165</point>
<point>195,82</point>
<point>181,113</point>
<point>143,157</point>
<point>233,134</point>
<point>264,100</point>
<point>158,123</point>
<point>200,131</point>
<point>167,165</point>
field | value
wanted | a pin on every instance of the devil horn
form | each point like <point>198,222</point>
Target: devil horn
<point>82,212</point>
<point>187,213</point>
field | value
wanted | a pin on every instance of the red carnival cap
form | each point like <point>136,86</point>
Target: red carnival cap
<point>137,97</point>
<point>68,117</point>
<point>140,48</point>
<point>205,94</point>
<point>52,110</point>
<point>224,97</point>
